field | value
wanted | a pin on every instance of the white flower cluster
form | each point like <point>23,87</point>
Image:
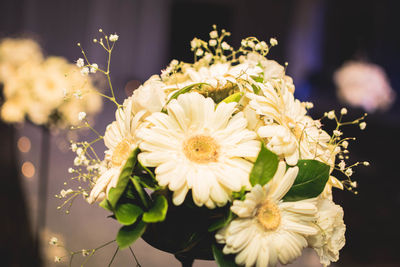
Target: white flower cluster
<point>47,91</point>
<point>200,128</point>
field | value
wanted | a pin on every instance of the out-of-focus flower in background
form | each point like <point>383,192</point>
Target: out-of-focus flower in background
<point>365,85</point>
<point>47,91</point>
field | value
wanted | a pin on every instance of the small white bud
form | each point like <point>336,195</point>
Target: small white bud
<point>343,111</point>
<point>212,42</point>
<point>263,45</point>
<point>85,71</point>
<point>225,46</point>
<point>113,37</point>
<point>337,133</point>
<point>342,165</point>
<point>93,68</point>
<point>174,63</point>
<point>214,34</point>
<point>309,105</point>
<point>74,147</point>
<point>331,114</point>
<point>349,172</point>
<point>273,42</point>
<point>363,125</point>
<point>195,43</point>
<point>79,151</point>
<point>80,62</point>
<point>81,115</point>
<point>53,241</point>
<point>250,44</point>
<point>345,144</point>
<point>85,252</point>
<point>366,163</point>
<point>199,52</point>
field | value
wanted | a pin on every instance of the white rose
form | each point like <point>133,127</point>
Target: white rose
<point>330,239</point>
<point>150,96</point>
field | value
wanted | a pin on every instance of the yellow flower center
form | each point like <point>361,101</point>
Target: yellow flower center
<point>201,149</point>
<point>294,127</point>
<point>121,152</point>
<point>268,215</point>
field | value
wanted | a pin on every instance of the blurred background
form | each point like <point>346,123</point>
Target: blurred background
<point>316,37</point>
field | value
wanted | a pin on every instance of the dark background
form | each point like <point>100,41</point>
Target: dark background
<point>315,37</point>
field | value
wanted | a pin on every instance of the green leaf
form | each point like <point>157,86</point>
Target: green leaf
<point>182,91</point>
<point>310,181</point>
<point>105,204</point>
<point>115,193</point>
<point>127,213</point>
<point>221,259</point>
<point>147,179</point>
<point>264,168</point>
<point>222,222</point>
<point>256,89</point>
<point>129,234</point>
<point>158,211</point>
<point>139,189</point>
<point>240,195</point>
<point>234,97</point>
<point>258,79</point>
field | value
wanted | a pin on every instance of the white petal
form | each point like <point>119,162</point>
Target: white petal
<point>282,184</point>
<point>153,159</point>
<point>178,178</point>
<point>179,195</point>
<point>178,114</point>
<point>200,189</point>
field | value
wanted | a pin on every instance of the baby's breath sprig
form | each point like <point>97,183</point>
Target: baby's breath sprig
<point>107,43</point>
<point>218,50</point>
<point>86,169</point>
<point>86,253</point>
<point>341,144</point>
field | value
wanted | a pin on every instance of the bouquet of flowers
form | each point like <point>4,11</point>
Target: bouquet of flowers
<point>216,159</point>
<point>48,91</point>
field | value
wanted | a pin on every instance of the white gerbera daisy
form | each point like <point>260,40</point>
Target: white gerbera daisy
<point>201,147</point>
<point>121,141</point>
<point>289,132</point>
<point>267,229</point>
<point>286,115</point>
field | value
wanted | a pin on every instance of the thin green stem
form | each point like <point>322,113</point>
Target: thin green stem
<point>113,257</point>
<point>91,128</point>
<point>134,256</point>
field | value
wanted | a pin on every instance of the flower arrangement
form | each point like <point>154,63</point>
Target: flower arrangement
<point>216,159</point>
<point>47,91</point>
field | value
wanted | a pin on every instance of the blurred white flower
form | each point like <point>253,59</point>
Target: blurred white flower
<point>40,89</point>
<point>365,85</point>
